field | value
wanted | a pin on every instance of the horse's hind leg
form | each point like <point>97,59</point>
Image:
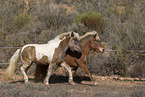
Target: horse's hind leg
<point>24,68</point>
<point>68,68</point>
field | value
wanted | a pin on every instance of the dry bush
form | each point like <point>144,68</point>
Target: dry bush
<point>137,67</point>
<point>98,64</point>
<point>12,17</point>
<point>52,17</point>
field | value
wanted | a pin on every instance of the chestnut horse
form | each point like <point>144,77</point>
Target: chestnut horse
<point>51,53</point>
<point>89,41</point>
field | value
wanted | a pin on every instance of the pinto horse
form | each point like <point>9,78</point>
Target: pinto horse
<point>51,53</point>
<point>89,41</point>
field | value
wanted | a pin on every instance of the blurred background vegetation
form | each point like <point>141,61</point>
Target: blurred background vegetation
<point>120,23</point>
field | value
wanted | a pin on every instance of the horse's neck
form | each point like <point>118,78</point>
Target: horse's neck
<point>86,46</point>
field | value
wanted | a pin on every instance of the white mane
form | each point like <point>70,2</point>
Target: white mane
<point>87,34</point>
<point>61,36</point>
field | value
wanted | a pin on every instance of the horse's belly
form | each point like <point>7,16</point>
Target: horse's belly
<point>46,56</point>
<point>43,61</point>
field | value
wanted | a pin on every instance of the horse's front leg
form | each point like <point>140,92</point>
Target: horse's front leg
<point>82,65</point>
<point>49,72</point>
<point>68,68</point>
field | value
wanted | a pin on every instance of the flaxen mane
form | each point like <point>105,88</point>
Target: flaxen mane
<point>86,36</point>
<point>61,36</point>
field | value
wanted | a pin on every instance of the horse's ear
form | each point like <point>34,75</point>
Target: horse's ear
<point>72,34</point>
<point>95,35</point>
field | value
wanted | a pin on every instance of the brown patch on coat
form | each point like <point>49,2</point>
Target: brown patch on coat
<point>60,52</point>
<point>29,54</point>
<point>42,61</point>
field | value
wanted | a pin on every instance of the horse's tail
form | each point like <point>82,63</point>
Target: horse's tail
<point>12,65</point>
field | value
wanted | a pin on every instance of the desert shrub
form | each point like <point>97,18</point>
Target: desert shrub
<point>11,15</point>
<point>119,63</point>
<point>98,64</point>
<point>92,20</point>
<point>53,17</point>
<point>130,37</point>
<point>136,67</point>
<point>99,6</point>
<point>18,22</point>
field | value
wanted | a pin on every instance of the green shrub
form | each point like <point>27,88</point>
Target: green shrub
<point>92,20</point>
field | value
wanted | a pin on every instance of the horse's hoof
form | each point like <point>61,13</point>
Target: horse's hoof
<point>71,82</point>
<point>95,83</point>
<point>47,84</point>
<point>26,81</point>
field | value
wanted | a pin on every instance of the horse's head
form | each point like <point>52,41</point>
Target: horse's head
<point>69,44</point>
<point>74,44</point>
<point>96,44</point>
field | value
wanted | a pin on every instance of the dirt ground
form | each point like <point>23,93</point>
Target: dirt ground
<point>59,87</point>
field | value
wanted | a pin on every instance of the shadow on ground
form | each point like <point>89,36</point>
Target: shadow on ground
<point>57,79</point>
